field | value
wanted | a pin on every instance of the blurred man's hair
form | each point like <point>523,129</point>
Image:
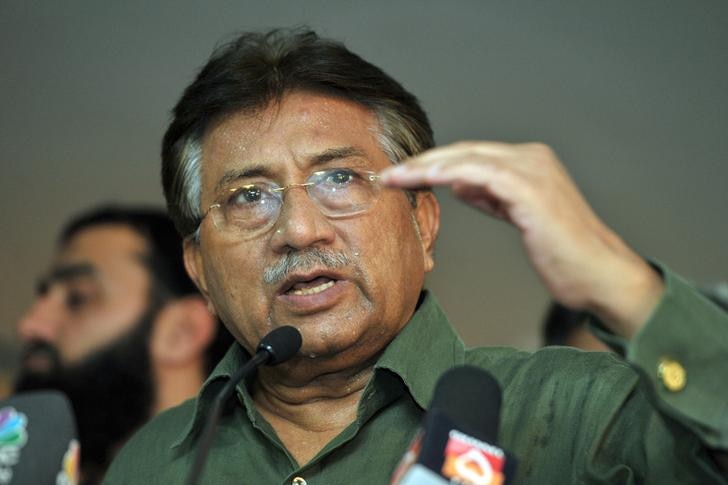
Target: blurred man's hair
<point>560,323</point>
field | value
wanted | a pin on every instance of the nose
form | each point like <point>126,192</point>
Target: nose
<point>300,223</point>
<point>44,319</point>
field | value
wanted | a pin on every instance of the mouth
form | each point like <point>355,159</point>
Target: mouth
<point>312,287</point>
<point>310,283</point>
<point>40,357</point>
<point>312,291</point>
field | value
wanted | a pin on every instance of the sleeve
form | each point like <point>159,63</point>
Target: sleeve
<point>682,354</point>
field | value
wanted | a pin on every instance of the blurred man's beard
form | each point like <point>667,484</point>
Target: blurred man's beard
<point>111,390</point>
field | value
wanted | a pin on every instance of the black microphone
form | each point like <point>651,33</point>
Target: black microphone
<point>38,440</point>
<point>278,346</point>
<point>457,443</point>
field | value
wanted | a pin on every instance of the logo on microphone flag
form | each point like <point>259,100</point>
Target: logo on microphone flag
<point>70,469</point>
<point>13,436</point>
<point>472,462</point>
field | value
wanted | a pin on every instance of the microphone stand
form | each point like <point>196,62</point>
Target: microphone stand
<point>261,357</point>
<point>278,346</point>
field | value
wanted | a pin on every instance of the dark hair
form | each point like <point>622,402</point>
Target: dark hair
<point>257,69</point>
<point>164,260</point>
<point>560,322</point>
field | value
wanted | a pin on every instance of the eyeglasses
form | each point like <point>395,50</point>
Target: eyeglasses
<point>250,209</point>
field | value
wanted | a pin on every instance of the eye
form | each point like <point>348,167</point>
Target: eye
<point>340,176</point>
<point>252,205</point>
<point>81,294</point>
<point>77,300</point>
<point>247,194</point>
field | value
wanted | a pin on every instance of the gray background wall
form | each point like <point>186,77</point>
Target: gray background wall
<point>631,94</point>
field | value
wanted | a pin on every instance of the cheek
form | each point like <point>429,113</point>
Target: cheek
<point>235,288</point>
<point>392,251</point>
<point>97,328</point>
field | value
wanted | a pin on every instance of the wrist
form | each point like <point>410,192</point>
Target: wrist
<point>628,296</point>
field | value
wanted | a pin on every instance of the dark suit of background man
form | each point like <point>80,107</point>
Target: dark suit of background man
<point>119,327</point>
<point>294,169</point>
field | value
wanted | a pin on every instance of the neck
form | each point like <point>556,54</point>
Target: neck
<point>333,395</point>
<point>308,413</point>
<point>174,384</point>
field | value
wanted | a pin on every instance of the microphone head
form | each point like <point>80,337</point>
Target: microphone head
<point>470,397</point>
<point>281,344</point>
<point>460,431</point>
<point>38,440</point>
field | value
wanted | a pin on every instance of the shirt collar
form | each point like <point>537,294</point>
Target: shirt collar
<point>425,348</point>
<point>234,358</point>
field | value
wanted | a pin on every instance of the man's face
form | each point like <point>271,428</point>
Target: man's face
<point>95,293</point>
<point>357,306</point>
<point>87,335</point>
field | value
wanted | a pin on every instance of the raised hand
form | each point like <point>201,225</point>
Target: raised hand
<point>582,262</point>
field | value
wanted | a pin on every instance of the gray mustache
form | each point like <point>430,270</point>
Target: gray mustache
<point>304,260</point>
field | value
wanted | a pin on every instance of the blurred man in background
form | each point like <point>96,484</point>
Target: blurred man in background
<point>118,327</point>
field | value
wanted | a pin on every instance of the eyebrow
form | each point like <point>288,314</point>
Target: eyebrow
<point>257,170</point>
<point>337,154</point>
<point>65,272</point>
<point>261,170</point>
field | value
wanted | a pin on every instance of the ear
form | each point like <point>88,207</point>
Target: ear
<point>427,216</point>
<point>182,332</point>
<point>195,270</point>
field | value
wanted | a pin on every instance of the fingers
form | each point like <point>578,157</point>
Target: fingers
<point>483,200</point>
<point>489,176</point>
<point>446,165</point>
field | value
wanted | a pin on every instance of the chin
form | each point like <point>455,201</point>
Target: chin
<point>317,349</point>
<point>340,345</point>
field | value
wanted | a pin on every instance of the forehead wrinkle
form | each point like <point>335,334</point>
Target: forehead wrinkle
<point>259,124</point>
<point>234,141</point>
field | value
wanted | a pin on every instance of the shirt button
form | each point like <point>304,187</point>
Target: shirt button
<point>298,481</point>
<point>672,374</point>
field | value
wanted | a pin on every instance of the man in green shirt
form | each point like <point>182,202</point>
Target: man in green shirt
<point>278,170</point>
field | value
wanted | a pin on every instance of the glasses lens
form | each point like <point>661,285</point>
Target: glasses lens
<point>251,207</point>
<point>343,191</point>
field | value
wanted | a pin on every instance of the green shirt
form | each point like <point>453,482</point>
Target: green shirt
<point>569,416</point>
